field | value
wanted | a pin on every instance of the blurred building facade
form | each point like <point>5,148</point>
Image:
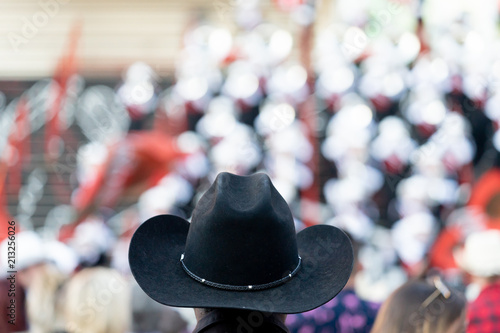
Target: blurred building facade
<point>114,33</point>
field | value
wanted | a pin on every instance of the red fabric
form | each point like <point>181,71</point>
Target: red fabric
<point>393,164</point>
<point>423,38</point>
<point>66,67</point>
<point>483,314</point>
<point>4,223</point>
<point>441,253</point>
<point>487,186</point>
<point>381,103</point>
<point>426,130</point>
<point>134,164</point>
<point>4,213</point>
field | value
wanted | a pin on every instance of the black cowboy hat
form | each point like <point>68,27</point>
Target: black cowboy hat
<point>240,251</point>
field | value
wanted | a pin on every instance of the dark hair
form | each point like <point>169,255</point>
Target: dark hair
<point>405,310</point>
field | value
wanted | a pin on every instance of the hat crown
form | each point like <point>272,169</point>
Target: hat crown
<point>242,233</point>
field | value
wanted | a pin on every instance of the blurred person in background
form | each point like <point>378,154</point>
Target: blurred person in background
<point>138,93</point>
<point>97,300</point>
<point>482,212</point>
<point>346,313</point>
<point>422,307</point>
<point>43,283</point>
<point>149,316</point>
<point>40,278</point>
<point>480,258</point>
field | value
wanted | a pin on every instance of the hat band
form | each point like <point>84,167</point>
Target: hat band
<point>241,288</point>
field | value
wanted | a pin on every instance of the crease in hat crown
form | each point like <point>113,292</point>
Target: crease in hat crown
<point>242,235</point>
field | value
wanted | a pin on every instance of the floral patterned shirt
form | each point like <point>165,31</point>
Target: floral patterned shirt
<point>346,313</point>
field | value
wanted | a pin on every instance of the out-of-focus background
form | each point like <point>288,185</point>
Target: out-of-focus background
<point>379,117</point>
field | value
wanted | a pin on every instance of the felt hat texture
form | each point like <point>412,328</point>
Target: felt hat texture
<point>240,251</point>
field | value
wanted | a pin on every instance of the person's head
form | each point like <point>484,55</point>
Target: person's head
<point>42,281</point>
<point>97,300</point>
<point>480,256</point>
<point>30,256</point>
<point>422,307</point>
<point>240,251</point>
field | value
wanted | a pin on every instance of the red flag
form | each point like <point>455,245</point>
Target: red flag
<point>4,213</point>
<point>133,165</point>
<point>65,69</point>
<point>485,197</point>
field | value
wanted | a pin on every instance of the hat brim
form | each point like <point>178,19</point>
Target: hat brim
<point>157,245</point>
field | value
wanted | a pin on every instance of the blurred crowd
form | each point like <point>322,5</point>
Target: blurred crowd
<point>390,132</point>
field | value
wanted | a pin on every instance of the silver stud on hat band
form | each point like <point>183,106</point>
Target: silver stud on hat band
<point>241,288</point>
